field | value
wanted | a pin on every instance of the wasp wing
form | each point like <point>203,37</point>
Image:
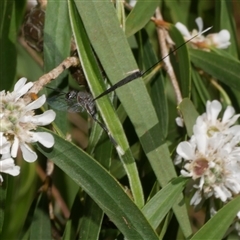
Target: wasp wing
<point>61,103</point>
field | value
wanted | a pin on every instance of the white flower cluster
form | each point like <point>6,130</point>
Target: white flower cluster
<point>217,40</point>
<point>212,155</point>
<point>17,122</point>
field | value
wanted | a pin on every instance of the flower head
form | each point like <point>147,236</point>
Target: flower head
<point>217,40</point>
<point>212,155</point>
<point>210,123</point>
<point>19,122</point>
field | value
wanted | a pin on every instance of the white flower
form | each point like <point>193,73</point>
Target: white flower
<point>214,165</point>
<point>212,155</point>
<point>18,121</point>
<point>209,123</point>
<point>217,40</point>
<point>187,35</point>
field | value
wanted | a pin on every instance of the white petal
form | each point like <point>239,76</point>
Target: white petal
<point>185,173</point>
<point>42,119</point>
<point>6,163</point>
<point>213,110</point>
<point>224,36</point>
<point>4,145</point>
<point>36,104</point>
<point>200,138</point>
<point>177,160</point>
<point>28,154</point>
<point>235,130</point>
<point>15,147</point>
<point>221,39</point>
<point>19,84</point>
<point>233,185</point>
<point>229,112</point>
<point>233,119</point>
<point>199,23</point>
<point>8,166</point>
<point>196,199</point>
<point>132,3</point>
<point>179,121</point>
<point>201,183</point>
<point>1,178</point>
<point>14,171</point>
<point>5,156</point>
<point>212,211</point>
<point>222,193</point>
<point>201,125</point>
<point>46,139</point>
<point>23,90</point>
<point>183,29</point>
<point>185,150</point>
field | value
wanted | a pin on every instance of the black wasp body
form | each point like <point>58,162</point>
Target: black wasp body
<point>78,101</point>
<point>84,99</point>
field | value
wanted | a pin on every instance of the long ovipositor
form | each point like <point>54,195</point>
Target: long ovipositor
<point>137,73</point>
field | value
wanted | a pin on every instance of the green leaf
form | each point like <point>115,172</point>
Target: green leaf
<point>201,88</point>
<point>121,13</point>
<point>178,10</point>
<point>72,225</point>
<point>223,68</point>
<point>101,187</point>
<point>108,114</point>
<point>158,95</point>
<point>8,36</point>
<point>156,209</point>
<point>140,16</point>
<point>218,225</point>
<point>189,114</point>
<point>163,168</point>
<point>26,66</point>
<point>112,48</point>
<point>56,48</point>
<point>181,62</point>
<point>225,20</point>
<point>20,192</point>
<point>3,195</point>
<point>91,221</point>
<point>41,226</point>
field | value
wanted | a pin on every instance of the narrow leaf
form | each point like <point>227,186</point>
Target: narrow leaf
<point>222,68</point>
<point>225,20</point>
<point>93,215</point>
<point>41,226</point>
<point>8,36</point>
<point>189,114</point>
<point>108,114</point>
<point>101,187</point>
<point>3,194</point>
<point>140,16</point>
<point>217,226</point>
<point>158,206</point>
<point>56,48</point>
<point>181,62</point>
